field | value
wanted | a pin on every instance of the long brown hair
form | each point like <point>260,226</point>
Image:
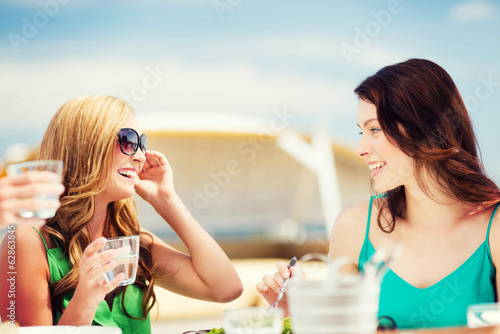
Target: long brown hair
<point>82,134</point>
<point>422,113</point>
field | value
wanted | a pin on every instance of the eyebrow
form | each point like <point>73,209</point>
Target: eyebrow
<point>368,121</point>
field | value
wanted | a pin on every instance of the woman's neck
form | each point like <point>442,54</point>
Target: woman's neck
<point>96,226</point>
<point>423,209</point>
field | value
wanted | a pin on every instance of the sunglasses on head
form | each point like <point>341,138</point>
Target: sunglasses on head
<point>130,141</point>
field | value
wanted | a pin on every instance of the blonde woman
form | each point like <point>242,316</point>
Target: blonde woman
<point>59,270</point>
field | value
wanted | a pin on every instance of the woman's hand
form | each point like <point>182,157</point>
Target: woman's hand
<point>270,286</point>
<point>156,178</point>
<point>19,192</point>
<point>92,288</point>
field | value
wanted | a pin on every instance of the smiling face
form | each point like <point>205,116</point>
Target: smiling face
<point>125,169</point>
<point>389,166</point>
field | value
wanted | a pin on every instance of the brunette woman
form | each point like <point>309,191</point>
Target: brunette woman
<point>434,199</point>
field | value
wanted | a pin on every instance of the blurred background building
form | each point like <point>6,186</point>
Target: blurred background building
<point>248,179</point>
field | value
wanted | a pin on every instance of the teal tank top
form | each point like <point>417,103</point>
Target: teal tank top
<point>59,267</point>
<point>443,304</point>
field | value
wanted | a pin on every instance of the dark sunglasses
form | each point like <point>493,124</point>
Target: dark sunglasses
<point>130,141</point>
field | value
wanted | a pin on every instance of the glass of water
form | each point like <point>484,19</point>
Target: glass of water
<point>253,320</point>
<point>54,166</point>
<point>127,258</point>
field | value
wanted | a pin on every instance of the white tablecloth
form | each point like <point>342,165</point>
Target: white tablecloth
<point>69,330</point>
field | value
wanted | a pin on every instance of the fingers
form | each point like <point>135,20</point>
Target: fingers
<point>21,192</point>
<point>92,258</point>
<point>269,295</point>
<point>283,269</point>
<point>7,218</point>
<point>97,277</point>
<point>97,272</point>
<point>270,286</point>
<point>114,282</point>
<point>30,204</point>
<point>101,260</point>
<point>155,159</point>
<point>30,177</point>
<point>94,264</point>
<point>158,157</point>
<point>262,288</point>
<point>94,247</point>
<point>18,190</point>
<point>274,283</point>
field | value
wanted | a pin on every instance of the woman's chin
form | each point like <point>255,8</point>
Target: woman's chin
<point>382,188</point>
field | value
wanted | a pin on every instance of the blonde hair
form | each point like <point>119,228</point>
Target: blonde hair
<point>82,134</point>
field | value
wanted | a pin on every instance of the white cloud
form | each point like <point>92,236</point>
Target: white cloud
<point>32,92</point>
<point>312,48</point>
<point>374,57</point>
<point>472,10</point>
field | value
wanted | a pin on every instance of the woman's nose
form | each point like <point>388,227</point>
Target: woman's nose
<point>363,148</point>
<point>140,156</point>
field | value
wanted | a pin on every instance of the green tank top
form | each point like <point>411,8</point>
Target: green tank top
<point>443,304</point>
<point>59,267</point>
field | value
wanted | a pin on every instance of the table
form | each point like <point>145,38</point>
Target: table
<point>454,330</point>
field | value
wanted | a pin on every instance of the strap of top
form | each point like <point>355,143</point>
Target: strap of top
<point>491,220</point>
<point>370,213</point>
<point>369,217</point>
<point>41,236</point>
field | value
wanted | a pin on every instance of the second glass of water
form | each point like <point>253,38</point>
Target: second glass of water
<point>127,258</point>
<point>53,166</point>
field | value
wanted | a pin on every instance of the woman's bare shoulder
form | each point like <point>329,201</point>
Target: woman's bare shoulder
<point>27,238</point>
<point>29,249</point>
<point>494,237</point>
<point>348,232</point>
<point>27,235</point>
<point>353,217</point>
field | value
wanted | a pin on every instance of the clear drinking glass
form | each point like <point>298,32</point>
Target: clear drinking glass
<point>127,258</point>
<point>54,166</point>
<point>253,320</point>
<point>482,315</point>
<point>331,302</point>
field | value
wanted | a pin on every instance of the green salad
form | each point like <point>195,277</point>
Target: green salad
<point>287,328</point>
<point>217,331</point>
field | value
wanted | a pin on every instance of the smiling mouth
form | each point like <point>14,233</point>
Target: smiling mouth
<point>128,174</point>
<point>376,165</point>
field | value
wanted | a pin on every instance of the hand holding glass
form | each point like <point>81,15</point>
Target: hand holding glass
<point>53,166</point>
<point>126,257</point>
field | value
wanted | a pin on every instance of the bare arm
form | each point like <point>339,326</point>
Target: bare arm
<point>31,293</point>
<point>346,240</point>
<point>347,236</point>
<point>495,247</point>
<point>24,265</point>
<point>206,272</point>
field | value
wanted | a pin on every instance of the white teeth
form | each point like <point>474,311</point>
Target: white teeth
<point>127,173</point>
<point>376,165</point>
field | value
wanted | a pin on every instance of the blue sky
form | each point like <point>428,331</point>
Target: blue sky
<point>243,57</point>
